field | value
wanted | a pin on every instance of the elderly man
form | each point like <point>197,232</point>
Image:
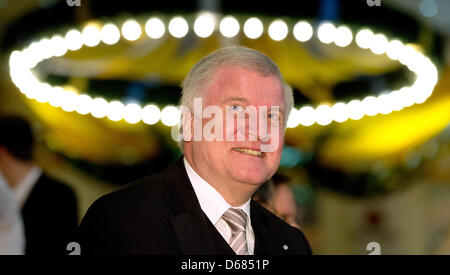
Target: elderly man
<point>202,204</point>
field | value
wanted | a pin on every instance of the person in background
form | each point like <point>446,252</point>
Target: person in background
<point>48,207</point>
<point>12,238</point>
<point>277,196</point>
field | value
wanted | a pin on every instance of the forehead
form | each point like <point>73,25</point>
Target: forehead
<point>237,82</point>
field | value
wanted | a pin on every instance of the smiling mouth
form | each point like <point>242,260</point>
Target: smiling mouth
<point>249,152</point>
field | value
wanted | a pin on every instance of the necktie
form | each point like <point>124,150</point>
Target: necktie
<point>237,220</point>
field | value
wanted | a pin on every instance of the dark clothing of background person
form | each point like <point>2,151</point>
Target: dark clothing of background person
<point>49,210</point>
<point>160,214</point>
<point>50,218</point>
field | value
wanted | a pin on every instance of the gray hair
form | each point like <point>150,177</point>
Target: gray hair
<point>201,75</point>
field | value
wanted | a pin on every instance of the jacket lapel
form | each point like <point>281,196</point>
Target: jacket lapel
<point>194,232</point>
<point>265,241</point>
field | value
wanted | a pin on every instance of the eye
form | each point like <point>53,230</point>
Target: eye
<point>273,116</point>
<point>237,108</point>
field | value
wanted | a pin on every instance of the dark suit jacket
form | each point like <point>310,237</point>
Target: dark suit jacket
<point>160,214</point>
<point>50,218</point>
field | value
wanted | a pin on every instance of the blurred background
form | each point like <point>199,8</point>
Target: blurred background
<point>359,178</point>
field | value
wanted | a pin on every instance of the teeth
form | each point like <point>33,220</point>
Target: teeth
<point>248,151</point>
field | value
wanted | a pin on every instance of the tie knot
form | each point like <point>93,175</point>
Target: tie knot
<point>236,219</point>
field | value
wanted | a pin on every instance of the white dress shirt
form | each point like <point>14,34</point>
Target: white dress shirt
<point>23,188</point>
<point>214,206</point>
<point>12,235</point>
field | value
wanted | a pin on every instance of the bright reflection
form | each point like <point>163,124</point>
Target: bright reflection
<point>344,36</point>
<point>151,114</point>
<point>364,38</point>
<point>178,27</point>
<point>229,26</point>
<point>155,28</point>
<point>278,30</point>
<point>204,24</point>
<point>326,33</point>
<point>110,34</point>
<point>90,36</point>
<point>133,113</point>
<point>115,110</point>
<point>170,116</point>
<point>303,31</point>
<point>74,40</point>
<point>253,28</point>
<point>131,30</point>
<point>99,107</point>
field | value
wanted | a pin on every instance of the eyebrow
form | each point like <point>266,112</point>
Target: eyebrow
<point>241,99</point>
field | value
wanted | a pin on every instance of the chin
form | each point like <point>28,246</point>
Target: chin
<point>251,177</point>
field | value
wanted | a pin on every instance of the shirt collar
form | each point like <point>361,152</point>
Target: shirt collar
<point>211,201</point>
<point>24,187</point>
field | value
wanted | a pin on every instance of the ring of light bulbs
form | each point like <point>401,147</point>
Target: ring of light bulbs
<point>22,62</point>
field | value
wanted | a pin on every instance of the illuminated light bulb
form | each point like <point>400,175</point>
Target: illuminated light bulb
<point>74,40</point>
<point>326,33</point>
<point>396,101</point>
<point>384,106</point>
<point>278,30</point>
<point>90,36</point>
<point>31,93</point>
<point>303,31</point>
<point>15,59</point>
<point>110,34</point>
<point>370,105</point>
<point>170,116</point>
<point>406,94</point>
<point>293,120</point>
<point>364,38</point>
<point>205,24</point>
<point>43,92</point>
<point>59,45</point>
<point>131,30</point>
<point>344,36</point>
<point>421,96</point>
<point>155,28</point>
<point>407,52</point>
<point>394,49</point>
<point>355,109</point>
<point>339,112</point>
<point>57,96</point>
<point>178,27</point>
<point>45,48</point>
<point>379,44</point>
<point>323,115</point>
<point>253,28</point>
<point>34,54</point>
<point>151,114</point>
<point>229,26</point>
<point>99,107</point>
<point>83,104</point>
<point>306,116</point>
<point>115,110</point>
<point>21,61</point>
<point>417,63</point>
<point>68,99</point>
<point>133,113</point>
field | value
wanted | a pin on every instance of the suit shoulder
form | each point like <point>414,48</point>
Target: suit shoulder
<point>146,190</point>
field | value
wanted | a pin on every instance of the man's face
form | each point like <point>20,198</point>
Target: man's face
<point>234,89</point>
<point>284,204</point>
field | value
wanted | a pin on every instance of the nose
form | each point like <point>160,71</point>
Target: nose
<point>257,128</point>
